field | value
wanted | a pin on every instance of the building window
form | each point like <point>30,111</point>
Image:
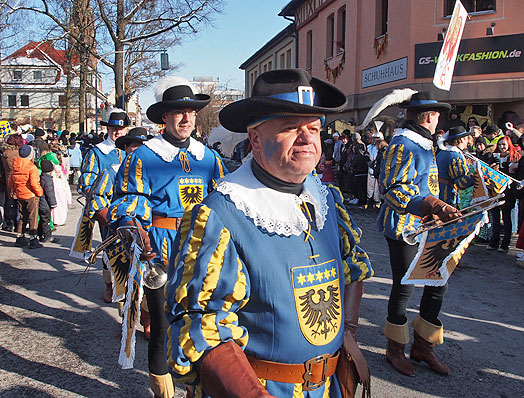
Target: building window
<point>472,5</point>
<point>62,101</point>
<point>309,50</point>
<point>341,29</point>
<point>37,75</point>
<point>17,75</point>
<point>282,61</point>
<point>24,100</point>
<point>382,17</point>
<point>288,58</point>
<point>330,35</point>
<point>11,100</point>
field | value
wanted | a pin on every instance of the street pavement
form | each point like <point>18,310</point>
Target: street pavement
<point>59,339</point>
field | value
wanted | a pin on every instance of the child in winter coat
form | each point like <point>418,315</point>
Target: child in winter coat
<point>47,202</point>
<point>24,183</point>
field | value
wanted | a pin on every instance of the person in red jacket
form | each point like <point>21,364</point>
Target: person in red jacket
<point>24,183</point>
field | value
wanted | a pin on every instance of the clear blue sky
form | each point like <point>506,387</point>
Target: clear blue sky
<point>243,27</point>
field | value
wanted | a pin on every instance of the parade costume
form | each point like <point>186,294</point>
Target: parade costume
<point>253,247</point>
<point>157,182</point>
<point>409,181</point>
<point>256,291</point>
<point>453,174</point>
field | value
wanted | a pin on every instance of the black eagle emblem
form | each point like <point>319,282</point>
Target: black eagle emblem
<point>119,262</point>
<point>85,232</point>
<point>433,182</point>
<point>435,253</point>
<point>321,314</point>
<point>191,194</point>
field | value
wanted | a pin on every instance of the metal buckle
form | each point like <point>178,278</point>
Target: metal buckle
<point>307,385</point>
<point>308,91</point>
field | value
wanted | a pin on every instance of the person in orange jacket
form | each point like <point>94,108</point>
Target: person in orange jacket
<point>24,183</point>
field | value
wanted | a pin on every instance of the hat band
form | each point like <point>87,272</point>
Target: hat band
<point>258,122</point>
<point>422,102</point>
<point>304,95</point>
<point>116,122</point>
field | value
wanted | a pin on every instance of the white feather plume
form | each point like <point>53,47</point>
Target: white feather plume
<point>110,111</point>
<point>171,81</point>
<point>395,97</point>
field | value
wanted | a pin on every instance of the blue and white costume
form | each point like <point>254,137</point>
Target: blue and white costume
<point>159,179</point>
<point>409,174</point>
<point>453,173</point>
<point>251,262</point>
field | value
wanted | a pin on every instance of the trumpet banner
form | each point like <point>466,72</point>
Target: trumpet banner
<point>488,183</point>
<point>83,238</point>
<point>441,249</point>
<point>131,310</point>
<point>119,265</point>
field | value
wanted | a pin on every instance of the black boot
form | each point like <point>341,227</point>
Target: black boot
<point>21,241</point>
<point>35,244</point>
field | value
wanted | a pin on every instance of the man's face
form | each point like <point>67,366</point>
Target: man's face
<point>289,147</point>
<point>115,132</point>
<point>132,146</point>
<point>433,117</point>
<point>180,123</point>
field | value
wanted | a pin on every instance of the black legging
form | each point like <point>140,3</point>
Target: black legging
<point>155,353</point>
<point>400,256</point>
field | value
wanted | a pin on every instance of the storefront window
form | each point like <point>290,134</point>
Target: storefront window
<point>472,5</point>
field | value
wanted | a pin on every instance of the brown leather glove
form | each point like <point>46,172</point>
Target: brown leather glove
<point>433,206</point>
<point>148,253</point>
<point>226,373</point>
<point>101,216</point>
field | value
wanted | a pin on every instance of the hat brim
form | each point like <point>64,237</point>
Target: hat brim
<point>238,115</point>
<point>437,106</point>
<point>156,111</point>
<point>102,123</point>
<point>456,137</point>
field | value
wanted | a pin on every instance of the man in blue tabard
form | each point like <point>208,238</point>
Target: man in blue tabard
<point>98,172</point>
<point>453,170</point>
<point>410,183</point>
<point>160,179</point>
<point>259,295</point>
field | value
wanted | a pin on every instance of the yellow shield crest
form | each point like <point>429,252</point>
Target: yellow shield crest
<point>191,190</point>
<point>317,301</point>
<point>433,180</point>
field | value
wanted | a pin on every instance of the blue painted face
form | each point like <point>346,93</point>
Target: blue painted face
<point>270,148</point>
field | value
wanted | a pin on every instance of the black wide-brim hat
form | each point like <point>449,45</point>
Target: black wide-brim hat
<point>177,97</point>
<point>117,118</point>
<point>454,133</point>
<point>136,134</point>
<point>283,92</point>
<point>424,101</point>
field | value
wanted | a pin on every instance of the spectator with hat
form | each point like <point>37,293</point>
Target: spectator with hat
<point>47,202</point>
<point>104,157</point>
<point>373,192</point>
<point>410,183</point>
<point>10,148</point>
<point>24,183</point>
<point>160,179</point>
<point>493,134</point>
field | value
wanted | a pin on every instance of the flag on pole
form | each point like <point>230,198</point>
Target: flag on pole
<point>449,51</point>
<point>441,249</point>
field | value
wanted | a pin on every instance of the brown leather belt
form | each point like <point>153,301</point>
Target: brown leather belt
<point>312,374</point>
<point>166,222</point>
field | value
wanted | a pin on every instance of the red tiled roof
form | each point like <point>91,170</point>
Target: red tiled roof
<point>41,50</point>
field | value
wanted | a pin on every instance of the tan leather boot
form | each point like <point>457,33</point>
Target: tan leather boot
<point>398,337</point>
<point>162,385</point>
<point>425,336</point>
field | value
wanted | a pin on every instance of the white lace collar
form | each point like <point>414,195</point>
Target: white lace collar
<point>451,148</point>
<point>276,212</point>
<point>106,146</point>
<point>167,152</point>
<point>424,143</point>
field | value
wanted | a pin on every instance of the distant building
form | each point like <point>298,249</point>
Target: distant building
<point>369,48</point>
<point>277,53</point>
<point>33,87</point>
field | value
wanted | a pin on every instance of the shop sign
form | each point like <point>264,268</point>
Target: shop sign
<point>385,73</point>
<point>497,54</point>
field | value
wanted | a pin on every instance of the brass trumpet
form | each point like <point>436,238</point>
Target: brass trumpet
<point>410,234</point>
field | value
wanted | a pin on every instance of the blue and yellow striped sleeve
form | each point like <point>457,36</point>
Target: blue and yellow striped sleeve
<point>103,192</point>
<point>357,265</point>
<point>458,171</point>
<point>219,171</point>
<point>90,170</point>
<point>131,193</point>
<point>207,284</point>
<point>396,178</point>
